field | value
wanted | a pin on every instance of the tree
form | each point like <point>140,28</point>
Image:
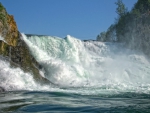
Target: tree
<point>123,17</point>
<point>101,36</point>
<point>111,33</point>
<point>121,10</point>
<point>143,6</point>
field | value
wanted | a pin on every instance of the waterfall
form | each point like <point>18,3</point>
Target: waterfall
<point>72,62</point>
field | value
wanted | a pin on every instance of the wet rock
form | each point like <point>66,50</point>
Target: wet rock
<point>14,48</point>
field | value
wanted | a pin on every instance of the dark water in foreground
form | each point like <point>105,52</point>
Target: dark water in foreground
<point>51,102</point>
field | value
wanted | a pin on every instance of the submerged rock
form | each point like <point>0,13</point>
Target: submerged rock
<point>14,48</point>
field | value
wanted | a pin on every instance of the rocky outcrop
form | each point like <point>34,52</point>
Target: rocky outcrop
<point>14,48</point>
<point>20,56</point>
<point>8,27</point>
<point>8,30</point>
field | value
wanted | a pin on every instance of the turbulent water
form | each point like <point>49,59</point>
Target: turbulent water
<point>88,76</point>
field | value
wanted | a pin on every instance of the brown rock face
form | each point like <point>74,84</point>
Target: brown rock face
<point>8,27</point>
<point>15,49</point>
<point>21,57</point>
<point>12,34</point>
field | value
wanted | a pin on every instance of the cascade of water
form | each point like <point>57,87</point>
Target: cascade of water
<point>71,62</point>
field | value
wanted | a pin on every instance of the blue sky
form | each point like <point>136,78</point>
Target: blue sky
<point>83,19</point>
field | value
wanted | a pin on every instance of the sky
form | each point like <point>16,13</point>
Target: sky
<point>83,19</point>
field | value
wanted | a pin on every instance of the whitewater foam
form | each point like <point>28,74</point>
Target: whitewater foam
<point>13,79</point>
<point>2,39</point>
<point>71,62</point>
<point>95,66</point>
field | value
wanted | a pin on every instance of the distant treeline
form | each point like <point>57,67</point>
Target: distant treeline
<point>131,27</point>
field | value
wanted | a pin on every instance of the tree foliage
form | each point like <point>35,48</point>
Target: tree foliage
<point>131,27</point>
<point>101,36</point>
<point>142,5</point>
<point>121,10</point>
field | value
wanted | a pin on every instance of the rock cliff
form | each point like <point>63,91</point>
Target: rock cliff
<point>13,48</point>
<point>8,27</point>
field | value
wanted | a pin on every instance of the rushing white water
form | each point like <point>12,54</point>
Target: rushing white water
<point>16,79</point>
<point>71,62</point>
<point>2,39</point>
<point>13,78</point>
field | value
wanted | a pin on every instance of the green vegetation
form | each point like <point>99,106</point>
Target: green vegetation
<point>101,37</point>
<point>121,10</point>
<point>1,7</point>
<point>107,36</point>
<point>131,27</point>
<point>2,17</point>
<point>2,14</point>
